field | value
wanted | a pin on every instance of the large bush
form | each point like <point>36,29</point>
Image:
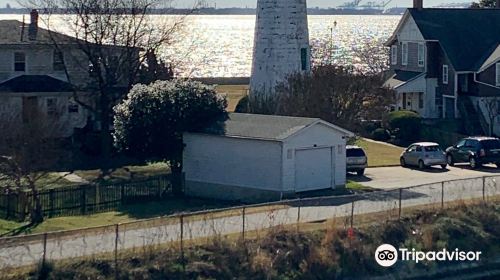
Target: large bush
<point>149,124</point>
<point>406,125</point>
<point>380,134</point>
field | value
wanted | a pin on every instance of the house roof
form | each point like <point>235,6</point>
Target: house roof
<point>35,83</point>
<point>468,36</point>
<point>401,77</point>
<point>12,32</point>
<point>265,127</point>
<point>492,59</point>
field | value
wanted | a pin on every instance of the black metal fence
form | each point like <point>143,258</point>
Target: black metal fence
<point>86,199</point>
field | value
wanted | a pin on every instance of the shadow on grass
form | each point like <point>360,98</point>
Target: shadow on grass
<point>170,206</point>
<point>24,229</point>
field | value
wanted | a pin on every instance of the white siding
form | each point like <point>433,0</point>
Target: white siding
<point>281,35</point>
<point>321,136</point>
<point>11,111</point>
<point>232,161</point>
<point>409,32</point>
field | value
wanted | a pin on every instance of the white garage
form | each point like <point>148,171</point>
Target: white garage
<point>261,158</point>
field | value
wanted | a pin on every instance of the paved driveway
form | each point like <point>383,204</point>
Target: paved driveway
<point>398,177</point>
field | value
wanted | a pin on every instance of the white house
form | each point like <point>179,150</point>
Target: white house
<point>261,158</point>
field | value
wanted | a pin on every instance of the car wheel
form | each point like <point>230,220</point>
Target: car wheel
<point>473,162</point>
<point>403,162</point>
<point>449,159</point>
<point>361,172</point>
<point>421,164</point>
<point>443,166</point>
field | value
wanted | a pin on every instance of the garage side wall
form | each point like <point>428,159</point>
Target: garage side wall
<point>322,136</point>
<point>232,168</point>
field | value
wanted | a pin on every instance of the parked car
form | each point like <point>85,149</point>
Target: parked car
<point>357,161</point>
<point>476,151</point>
<point>423,155</point>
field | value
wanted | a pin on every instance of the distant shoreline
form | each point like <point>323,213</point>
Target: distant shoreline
<point>241,11</point>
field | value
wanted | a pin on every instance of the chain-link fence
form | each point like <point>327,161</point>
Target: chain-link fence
<point>243,222</point>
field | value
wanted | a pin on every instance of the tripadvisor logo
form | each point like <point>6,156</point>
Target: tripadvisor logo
<point>386,255</point>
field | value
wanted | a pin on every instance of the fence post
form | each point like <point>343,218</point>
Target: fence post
<point>83,199</point>
<point>182,244</point>
<point>442,195</point>
<point>122,193</point>
<point>400,198</point>
<point>116,250</point>
<point>243,226</point>
<point>298,215</point>
<point>51,203</point>
<point>352,215</point>
<point>44,255</point>
<point>484,189</point>
<point>7,214</point>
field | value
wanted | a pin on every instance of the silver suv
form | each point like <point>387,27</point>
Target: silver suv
<point>356,160</point>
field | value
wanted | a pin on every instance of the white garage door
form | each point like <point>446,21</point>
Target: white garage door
<point>313,169</point>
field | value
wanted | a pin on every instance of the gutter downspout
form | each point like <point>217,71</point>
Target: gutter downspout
<point>483,83</point>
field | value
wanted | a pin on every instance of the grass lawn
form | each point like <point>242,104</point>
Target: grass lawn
<point>128,213</point>
<point>358,187</point>
<point>126,172</point>
<point>49,180</point>
<point>234,94</point>
<point>380,154</point>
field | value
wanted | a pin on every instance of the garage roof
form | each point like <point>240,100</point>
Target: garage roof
<point>266,127</point>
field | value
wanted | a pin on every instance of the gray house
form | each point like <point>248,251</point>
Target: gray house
<point>445,63</point>
<point>46,70</point>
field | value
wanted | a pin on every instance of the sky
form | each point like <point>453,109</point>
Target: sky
<point>311,3</point>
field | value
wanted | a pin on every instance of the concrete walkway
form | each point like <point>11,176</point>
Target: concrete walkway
<point>28,250</point>
<point>399,177</point>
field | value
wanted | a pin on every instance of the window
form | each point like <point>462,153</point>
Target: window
<point>404,54</point>
<point>498,74</point>
<point>73,108</point>
<point>445,74</point>
<point>303,58</point>
<point>421,55</point>
<point>420,100</point>
<point>19,62</point>
<point>461,144</point>
<point>419,148</point>
<point>394,55</point>
<point>433,149</point>
<point>51,106</point>
<point>58,61</point>
<point>470,144</point>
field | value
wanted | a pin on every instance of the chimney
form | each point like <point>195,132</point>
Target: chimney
<point>33,29</point>
<point>419,4</point>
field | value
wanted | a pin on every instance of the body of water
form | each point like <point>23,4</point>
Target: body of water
<point>221,45</point>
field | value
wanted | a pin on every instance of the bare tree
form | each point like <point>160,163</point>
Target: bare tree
<point>332,93</point>
<point>492,112</point>
<point>29,151</point>
<point>114,39</point>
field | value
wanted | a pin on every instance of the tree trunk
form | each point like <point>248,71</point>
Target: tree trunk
<point>36,213</point>
<point>105,134</point>
<point>177,180</point>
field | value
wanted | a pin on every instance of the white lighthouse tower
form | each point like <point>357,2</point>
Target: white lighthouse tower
<point>281,43</point>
